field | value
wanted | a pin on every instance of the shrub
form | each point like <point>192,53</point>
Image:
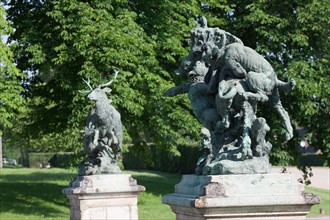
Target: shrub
<point>38,160</point>
<point>61,159</point>
<point>162,160</point>
<point>311,159</point>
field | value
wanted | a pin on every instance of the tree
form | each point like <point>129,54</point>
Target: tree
<point>70,40</point>
<point>294,37</point>
<point>61,42</point>
<point>11,101</point>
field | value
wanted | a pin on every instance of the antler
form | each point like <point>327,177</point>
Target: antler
<point>88,84</point>
<point>108,83</point>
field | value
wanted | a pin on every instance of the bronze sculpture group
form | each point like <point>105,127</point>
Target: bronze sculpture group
<point>226,82</point>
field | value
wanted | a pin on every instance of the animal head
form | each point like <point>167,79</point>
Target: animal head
<point>203,42</point>
<point>188,63</point>
<point>222,38</point>
<point>100,91</point>
<point>204,39</point>
<point>198,73</point>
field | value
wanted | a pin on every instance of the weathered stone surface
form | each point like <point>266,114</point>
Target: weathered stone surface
<point>103,197</point>
<point>254,196</point>
<point>250,166</point>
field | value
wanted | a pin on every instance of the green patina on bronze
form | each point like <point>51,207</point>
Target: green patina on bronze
<point>226,82</point>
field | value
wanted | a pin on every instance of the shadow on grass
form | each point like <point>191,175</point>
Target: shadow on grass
<point>156,183</point>
<point>9,166</point>
<point>42,176</point>
<point>41,199</point>
<point>38,193</point>
<point>30,192</point>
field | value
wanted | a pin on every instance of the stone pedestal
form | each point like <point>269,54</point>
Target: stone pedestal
<point>103,197</point>
<point>246,196</point>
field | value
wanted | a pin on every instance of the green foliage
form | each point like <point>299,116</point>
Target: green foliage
<point>59,159</point>
<point>60,42</point>
<point>310,160</point>
<point>155,158</point>
<point>39,160</point>
<point>11,101</point>
<point>294,36</point>
<point>10,152</point>
<point>71,40</point>
<point>62,159</point>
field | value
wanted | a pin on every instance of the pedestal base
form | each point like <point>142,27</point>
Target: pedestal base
<point>103,197</point>
<point>246,196</point>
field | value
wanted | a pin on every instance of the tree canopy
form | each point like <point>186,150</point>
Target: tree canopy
<point>11,101</point>
<point>61,42</point>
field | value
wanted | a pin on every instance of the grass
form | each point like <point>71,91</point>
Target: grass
<point>35,194</point>
<point>157,185</point>
<point>325,201</point>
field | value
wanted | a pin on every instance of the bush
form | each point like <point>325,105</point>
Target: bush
<point>38,160</point>
<point>156,158</point>
<point>24,158</point>
<point>188,159</point>
<point>311,159</point>
<point>61,159</point>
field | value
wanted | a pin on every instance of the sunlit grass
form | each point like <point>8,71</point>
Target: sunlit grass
<point>157,185</point>
<point>325,201</point>
<point>35,194</point>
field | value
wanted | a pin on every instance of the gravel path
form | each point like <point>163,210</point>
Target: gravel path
<point>320,178</point>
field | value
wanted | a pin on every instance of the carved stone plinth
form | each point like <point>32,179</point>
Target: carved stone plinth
<point>246,196</point>
<point>103,197</point>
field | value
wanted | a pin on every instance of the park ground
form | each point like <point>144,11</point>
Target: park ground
<point>320,178</point>
<point>35,194</point>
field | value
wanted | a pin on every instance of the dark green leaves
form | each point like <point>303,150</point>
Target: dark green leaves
<point>11,101</point>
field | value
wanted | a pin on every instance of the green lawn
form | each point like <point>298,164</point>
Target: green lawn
<point>34,194</point>
<point>325,201</point>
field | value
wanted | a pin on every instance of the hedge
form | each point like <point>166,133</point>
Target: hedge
<point>59,159</point>
<point>311,159</point>
<point>155,158</point>
<point>149,157</point>
<point>62,159</point>
<point>37,160</point>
